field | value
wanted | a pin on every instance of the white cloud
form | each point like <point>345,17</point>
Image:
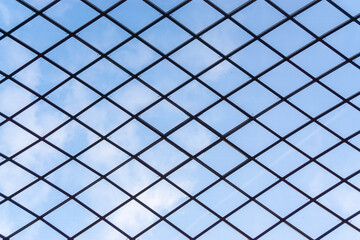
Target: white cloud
<point>134,96</point>
<point>5,14</point>
<point>162,197</point>
<point>16,178</point>
<point>10,52</point>
<point>132,217</point>
<point>12,218</point>
<point>13,97</point>
<point>193,137</point>
<point>13,139</point>
<point>30,75</point>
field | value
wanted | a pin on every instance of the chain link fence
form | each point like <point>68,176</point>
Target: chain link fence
<point>179,119</point>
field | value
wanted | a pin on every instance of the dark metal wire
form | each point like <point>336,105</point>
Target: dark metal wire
<point>190,117</point>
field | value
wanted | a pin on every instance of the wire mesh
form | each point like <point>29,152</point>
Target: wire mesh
<point>198,155</point>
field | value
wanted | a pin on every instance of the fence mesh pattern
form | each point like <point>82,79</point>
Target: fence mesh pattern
<point>179,119</point>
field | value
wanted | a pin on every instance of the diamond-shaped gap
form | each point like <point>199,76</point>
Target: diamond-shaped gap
<point>71,218</point>
<point>343,200</point>
<point>291,6</point>
<point>14,139</point>
<point>341,120</point>
<point>162,197</point>
<point>193,137</point>
<point>344,39</point>
<point>41,118</point>
<point>134,136</point>
<point>101,230</point>
<point>1,120</point>
<point>195,57</point>
<point>134,56</point>
<point>46,197</point>
<point>103,5</point>
<point>133,177</point>
<point>13,97</point>
<point>219,231</point>
<point>253,98</point>
<point>355,141</point>
<point>313,179</point>
<point>321,18</point>
<point>128,14</point>
<point>46,35</point>
<point>317,59</point>
<point>355,180</point>
<point>282,231</point>
<point>132,218</point>
<point>341,232</point>
<point>252,138</point>
<point>314,99</point>
<point>192,218</point>
<point>282,199</point>
<point>104,116</point>
<point>192,177</point>
<point>356,101</point>
<point>41,158</point>
<point>252,178</point>
<point>313,139</point>
<point>102,29</point>
<point>196,15</point>
<point>258,16</point>
<point>256,58</point>
<point>72,137</point>
<point>275,119</point>
<point>12,218</point>
<point>13,178</point>
<point>41,76</point>
<point>165,35</point>
<point>285,79</point>
<point>10,52</point>
<point>344,160</point>
<point>73,96</point>
<point>344,81</point>
<point>222,157</point>
<point>224,77</point>
<point>226,36</point>
<point>103,157</point>
<point>287,38</point>
<point>102,197</point>
<point>166,6</point>
<point>355,220</point>
<point>252,219</point>
<point>222,198</point>
<point>164,76</point>
<point>229,5</point>
<point>350,6</point>
<point>308,219</point>
<point>13,13</point>
<point>103,75</point>
<point>72,55</point>
<point>194,97</point>
<point>164,116</point>
<point>134,96</point>
<point>38,230</point>
<point>218,117</point>
<point>38,4</point>
<point>282,158</point>
<point>72,177</point>
<point>163,230</point>
<point>71,14</point>
<point>163,157</point>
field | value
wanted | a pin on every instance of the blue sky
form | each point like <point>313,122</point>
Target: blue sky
<point>245,138</point>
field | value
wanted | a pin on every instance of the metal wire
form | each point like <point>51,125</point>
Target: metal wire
<point>221,137</point>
